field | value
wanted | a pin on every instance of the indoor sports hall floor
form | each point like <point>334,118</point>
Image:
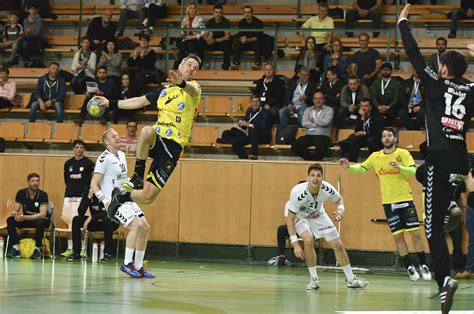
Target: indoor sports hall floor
<point>28,286</point>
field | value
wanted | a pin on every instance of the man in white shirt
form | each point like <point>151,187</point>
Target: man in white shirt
<point>308,218</point>
<point>110,172</point>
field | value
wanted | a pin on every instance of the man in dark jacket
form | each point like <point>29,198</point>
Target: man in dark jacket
<point>259,130</point>
<point>299,97</point>
<point>412,103</point>
<point>50,93</point>
<point>100,30</point>
<point>97,221</point>
<point>332,87</point>
<point>271,91</point>
<point>105,87</point>
<point>367,132</point>
<point>465,12</point>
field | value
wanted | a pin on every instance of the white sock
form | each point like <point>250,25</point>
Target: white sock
<point>348,272</point>
<point>69,244</point>
<point>128,256</point>
<point>139,255</point>
<point>83,243</point>
<point>313,272</point>
<point>16,247</point>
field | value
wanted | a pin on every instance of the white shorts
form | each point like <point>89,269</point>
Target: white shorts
<point>70,206</point>
<point>127,212</point>
<point>319,227</point>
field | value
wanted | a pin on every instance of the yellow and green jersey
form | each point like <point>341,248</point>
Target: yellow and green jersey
<point>176,112</point>
<point>394,186</point>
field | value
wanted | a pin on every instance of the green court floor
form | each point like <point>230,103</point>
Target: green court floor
<point>28,286</point>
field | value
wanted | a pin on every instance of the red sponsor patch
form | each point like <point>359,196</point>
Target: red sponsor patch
<point>452,123</point>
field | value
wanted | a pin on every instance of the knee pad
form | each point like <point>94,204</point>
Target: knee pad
<point>470,199</point>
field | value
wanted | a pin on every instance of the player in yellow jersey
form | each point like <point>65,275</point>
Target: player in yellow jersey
<point>394,166</point>
<point>163,142</point>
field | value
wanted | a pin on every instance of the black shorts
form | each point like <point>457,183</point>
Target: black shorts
<point>401,217</point>
<point>165,154</point>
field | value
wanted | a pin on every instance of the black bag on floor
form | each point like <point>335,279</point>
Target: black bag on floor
<point>229,135</point>
<point>286,135</point>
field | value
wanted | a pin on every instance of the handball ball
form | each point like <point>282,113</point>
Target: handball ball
<point>94,108</point>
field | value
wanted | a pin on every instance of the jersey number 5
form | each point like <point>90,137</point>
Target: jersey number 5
<point>457,109</point>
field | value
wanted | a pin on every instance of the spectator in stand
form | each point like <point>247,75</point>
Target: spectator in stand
<point>465,12</point>
<point>441,45</point>
<point>83,66</point>
<point>337,59</point>
<point>111,58</point>
<point>299,97</point>
<point>130,9</point>
<point>412,103</point>
<point>366,62</point>
<point>323,39</point>
<point>249,40</point>
<point>7,89</point>
<point>141,64</point>
<point>78,172</point>
<point>97,221</point>
<point>331,88</point>
<point>34,204</point>
<point>128,142</point>
<point>49,94</point>
<point>154,9</point>
<point>385,92</point>
<point>30,45</point>
<point>101,29</point>
<point>192,41</point>
<point>127,90</point>
<point>105,87</point>
<point>367,132</point>
<point>351,95</point>
<point>317,120</point>
<point>468,200</point>
<point>10,37</point>
<point>258,128</point>
<point>43,9</point>
<point>309,58</point>
<point>271,90</point>
<point>364,9</point>
<point>219,40</point>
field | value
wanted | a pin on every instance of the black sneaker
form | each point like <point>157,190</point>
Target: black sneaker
<point>281,261</point>
<point>74,257</point>
<point>36,254</point>
<point>14,253</point>
<point>135,183</point>
<point>446,294</point>
<point>114,204</point>
<point>452,35</point>
<point>107,257</point>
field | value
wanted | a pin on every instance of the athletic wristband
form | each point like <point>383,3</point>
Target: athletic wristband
<point>341,207</point>
<point>100,195</point>
<point>294,239</point>
<point>113,104</point>
<point>182,85</point>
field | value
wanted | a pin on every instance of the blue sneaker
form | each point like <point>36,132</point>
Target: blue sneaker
<point>146,274</point>
<point>130,270</point>
<point>36,254</point>
<point>14,253</point>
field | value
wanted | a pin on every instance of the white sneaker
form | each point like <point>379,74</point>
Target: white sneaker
<point>425,272</point>
<point>414,276</point>
<point>314,284</point>
<point>357,283</point>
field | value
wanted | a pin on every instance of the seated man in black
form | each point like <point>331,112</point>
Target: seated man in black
<point>34,204</point>
<point>259,130</point>
<point>219,40</point>
<point>98,221</point>
<point>412,103</point>
<point>105,87</point>
<point>367,132</point>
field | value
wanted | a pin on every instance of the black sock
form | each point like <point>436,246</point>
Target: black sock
<point>127,197</point>
<point>140,165</point>
<point>421,258</point>
<point>406,261</point>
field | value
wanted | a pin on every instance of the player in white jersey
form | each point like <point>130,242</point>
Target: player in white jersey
<point>308,218</point>
<point>110,172</point>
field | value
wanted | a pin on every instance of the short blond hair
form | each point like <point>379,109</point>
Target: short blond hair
<point>104,135</point>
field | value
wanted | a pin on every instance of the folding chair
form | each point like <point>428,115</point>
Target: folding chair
<point>90,236</point>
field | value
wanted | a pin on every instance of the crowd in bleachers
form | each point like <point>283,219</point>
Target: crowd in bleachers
<point>327,79</point>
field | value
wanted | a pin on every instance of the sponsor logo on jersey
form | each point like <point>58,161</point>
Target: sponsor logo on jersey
<point>167,124</point>
<point>181,106</point>
<point>171,98</point>
<point>168,132</point>
<point>325,228</point>
<point>399,159</point>
<point>157,130</point>
<point>452,123</point>
<point>81,169</point>
<point>163,93</point>
<point>36,204</point>
<point>388,172</point>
